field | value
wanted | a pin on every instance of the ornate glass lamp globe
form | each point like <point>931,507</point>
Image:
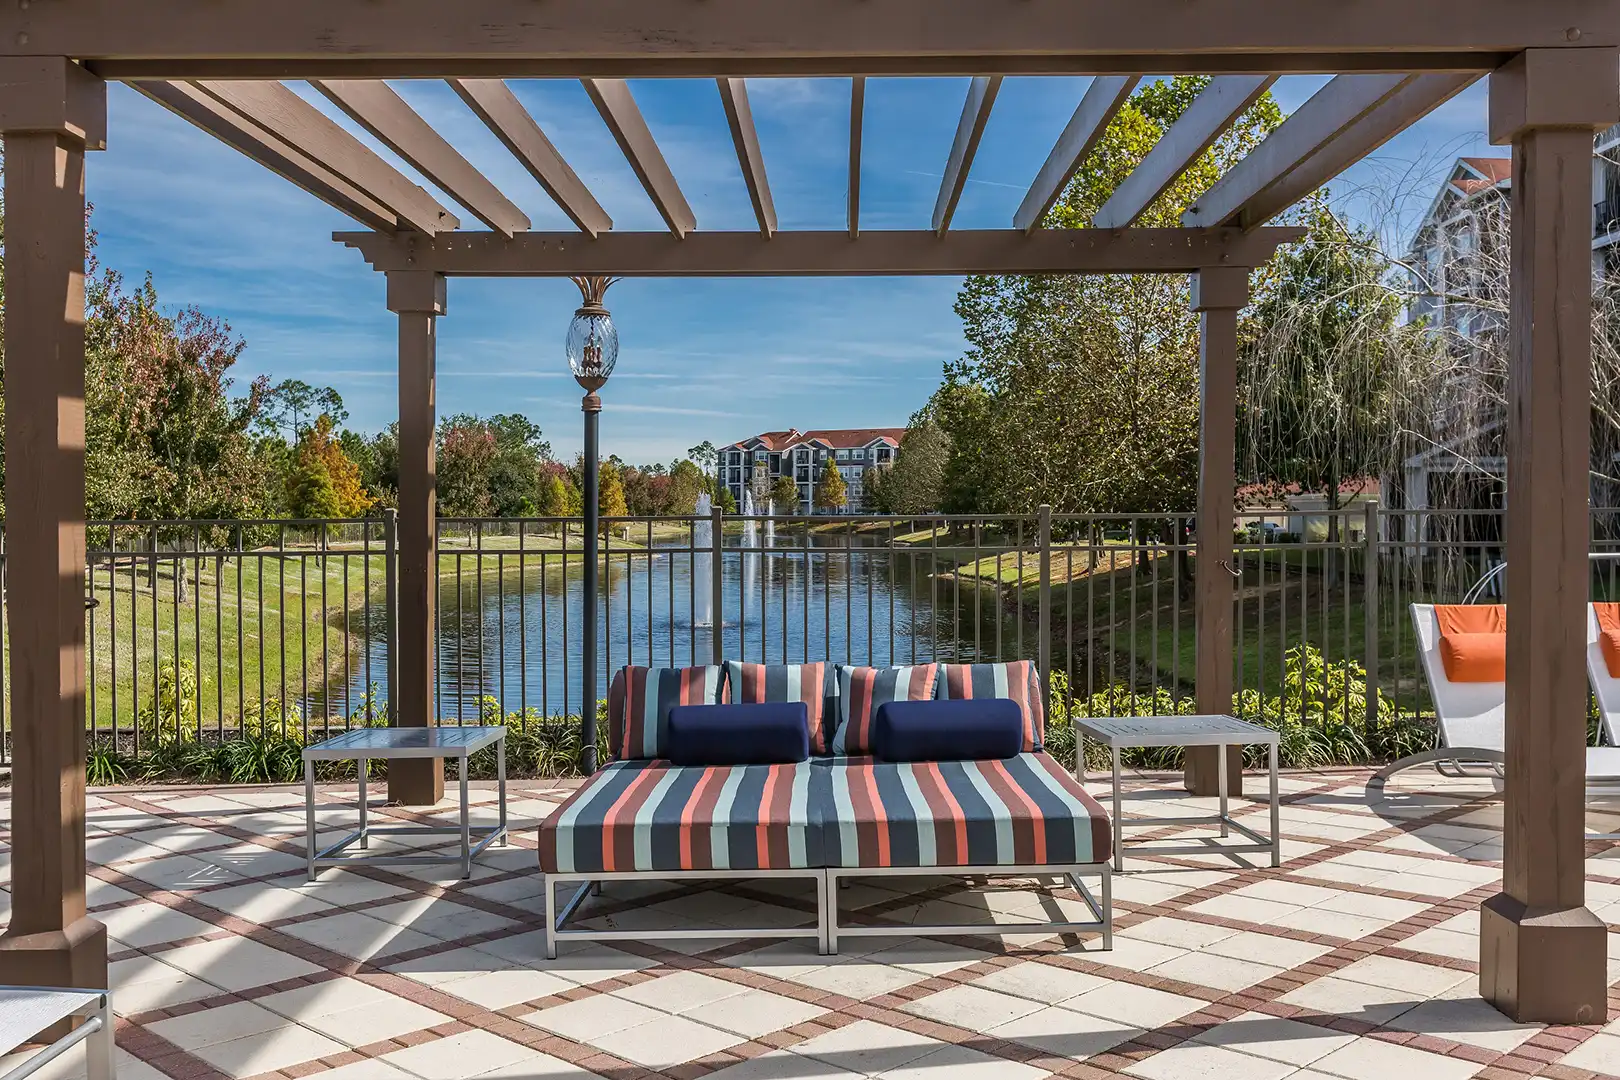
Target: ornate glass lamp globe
<point>593,341</point>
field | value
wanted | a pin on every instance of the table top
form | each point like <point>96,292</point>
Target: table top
<point>411,742</point>
<point>25,1011</point>
<point>1207,730</point>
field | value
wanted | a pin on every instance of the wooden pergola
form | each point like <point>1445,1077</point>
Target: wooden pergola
<point>1554,67</point>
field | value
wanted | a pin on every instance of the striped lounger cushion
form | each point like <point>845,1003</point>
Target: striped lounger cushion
<point>650,815</point>
<point>755,683</point>
<point>639,701</point>
<point>1023,811</point>
<point>862,690</point>
<point>1017,680</point>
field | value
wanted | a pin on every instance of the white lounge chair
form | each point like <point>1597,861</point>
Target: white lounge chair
<point>1470,715</point>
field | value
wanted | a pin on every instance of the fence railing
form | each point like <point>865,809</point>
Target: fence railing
<point>203,626</point>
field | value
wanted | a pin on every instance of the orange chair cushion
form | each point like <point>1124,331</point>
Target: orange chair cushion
<point>1473,642</point>
<point>1608,617</point>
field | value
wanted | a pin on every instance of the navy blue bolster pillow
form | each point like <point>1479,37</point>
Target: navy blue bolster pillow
<point>972,730</point>
<point>769,733</point>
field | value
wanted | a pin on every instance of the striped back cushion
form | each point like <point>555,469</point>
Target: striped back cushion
<point>754,683</point>
<point>862,689</point>
<point>649,694</point>
<point>1017,680</point>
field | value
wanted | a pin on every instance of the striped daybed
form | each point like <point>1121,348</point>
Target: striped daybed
<point>836,816</point>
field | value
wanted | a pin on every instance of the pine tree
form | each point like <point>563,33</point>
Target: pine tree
<point>831,494</point>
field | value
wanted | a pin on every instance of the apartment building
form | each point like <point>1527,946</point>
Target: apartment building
<point>759,460</point>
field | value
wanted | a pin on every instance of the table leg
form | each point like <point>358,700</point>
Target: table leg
<point>99,1047</point>
<point>1276,813</point>
<point>466,823</point>
<point>500,780</point>
<point>1220,779</point>
<point>1119,818</point>
<point>365,839</point>
<point>1079,755</point>
<point>309,819</point>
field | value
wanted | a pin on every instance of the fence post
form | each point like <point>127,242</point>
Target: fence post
<point>1369,584</point>
<point>1043,624</point>
<point>717,522</point>
<point>390,520</point>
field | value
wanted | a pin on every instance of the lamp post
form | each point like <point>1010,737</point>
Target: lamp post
<point>593,348</point>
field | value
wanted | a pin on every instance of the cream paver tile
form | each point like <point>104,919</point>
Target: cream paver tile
<point>325,998</point>
<point>928,956</point>
<point>498,989</point>
<point>158,988</point>
<point>753,1013</point>
<point>1139,1006</point>
<point>1140,890</point>
<point>373,1023</point>
<point>592,1017</point>
<point>1066,1033</point>
<point>1444,943</point>
<point>867,1048</point>
<point>268,1050</point>
<point>1466,1020</point>
<point>1246,908</point>
<point>1343,872</point>
<point>1178,933</point>
<point>1357,1001</point>
<point>237,963</point>
<point>457,1057</point>
<point>539,1067</point>
<point>962,1063</point>
<point>1387,908</point>
<point>1274,1038</point>
<point>517,891</point>
<point>179,873</point>
<point>262,903</point>
<point>252,860</point>
<point>1214,970</point>
<point>784,1065</point>
<point>1375,1059</point>
<point>1422,980</point>
<point>1600,1054</point>
<point>1318,920</point>
<point>679,992</point>
<point>859,978</point>
<point>1293,893</point>
<point>578,962</point>
<point>780,960</point>
<point>1132,954</point>
<point>97,893</point>
<point>441,969</point>
<point>441,919</point>
<point>1267,949</point>
<point>666,1041</point>
<point>366,1069</point>
<point>1423,884</point>
<point>349,889</point>
<point>971,1007</point>
<point>1205,1062</point>
<point>222,1024</point>
<point>1045,983</point>
<point>359,936</point>
<point>150,923</point>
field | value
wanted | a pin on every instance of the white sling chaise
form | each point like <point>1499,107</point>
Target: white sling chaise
<point>1470,715</point>
<point>1605,687</point>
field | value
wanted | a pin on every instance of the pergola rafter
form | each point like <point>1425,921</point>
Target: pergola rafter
<point>1555,79</point>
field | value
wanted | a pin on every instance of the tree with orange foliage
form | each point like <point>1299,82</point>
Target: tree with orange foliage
<point>319,452</point>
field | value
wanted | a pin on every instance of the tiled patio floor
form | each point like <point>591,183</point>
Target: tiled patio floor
<point>1355,960</point>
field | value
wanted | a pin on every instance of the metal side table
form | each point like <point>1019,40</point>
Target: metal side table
<point>1121,732</point>
<point>25,1011</point>
<point>363,744</point>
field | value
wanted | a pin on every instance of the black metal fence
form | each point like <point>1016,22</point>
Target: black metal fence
<point>204,626</point>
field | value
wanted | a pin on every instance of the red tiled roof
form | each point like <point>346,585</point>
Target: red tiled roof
<point>1494,171</point>
<point>853,438</point>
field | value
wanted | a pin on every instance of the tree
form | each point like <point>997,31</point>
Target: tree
<point>553,499</point>
<point>915,483</point>
<point>295,405</point>
<point>610,494</point>
<point>785,495</point>
<point>1082,391</point>
<point>726,501</point>
<point>514,471</point>
<point>466,454</point>
<point>704,456</point>
<point>311,493</point>
<point>349,497</point>
<point>831,492</point>
<point>686,483</point>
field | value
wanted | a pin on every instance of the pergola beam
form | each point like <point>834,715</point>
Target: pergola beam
<point>376,107</point>
<point>1411,103</point>
<point>498,107</point>
<point>740,118</point>
<point>812,254</point>
<point>1325,116</point>
<point>1211,114</point>
<point>857,123</point>
<point>761,35</point>
<point>296,122</point>
<point>281,158</point>
<point>981,98</point>
<point>619,110</point>
<point>1101,102</point>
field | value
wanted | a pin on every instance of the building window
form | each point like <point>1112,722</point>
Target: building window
<point>776,464</point>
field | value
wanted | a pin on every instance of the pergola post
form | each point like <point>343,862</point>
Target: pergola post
<point>1542,953</point>
<point>1218,294</point>
<point>417,297</point>
<point>51,112</point>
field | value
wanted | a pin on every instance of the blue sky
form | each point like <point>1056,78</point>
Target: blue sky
<point>700,359</point>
